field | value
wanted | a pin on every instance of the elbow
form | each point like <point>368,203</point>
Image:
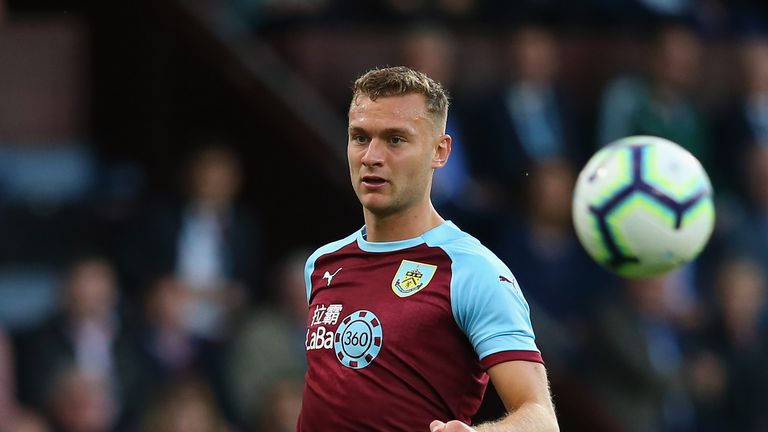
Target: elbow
<point>549,424</point>
<point>546,419</point>
<point>553,426</point>
<point>550,421</point>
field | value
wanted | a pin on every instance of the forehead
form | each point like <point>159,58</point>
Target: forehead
<point>405,108</point>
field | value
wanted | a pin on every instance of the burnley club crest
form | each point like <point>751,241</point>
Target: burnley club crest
<point>412,277</point>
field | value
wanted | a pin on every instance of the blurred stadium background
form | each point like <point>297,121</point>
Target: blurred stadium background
<point>167,165</point>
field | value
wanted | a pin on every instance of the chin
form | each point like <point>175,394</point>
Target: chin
<point>377,206</point>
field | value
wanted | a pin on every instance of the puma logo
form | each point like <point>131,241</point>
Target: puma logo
<point>330,276</point>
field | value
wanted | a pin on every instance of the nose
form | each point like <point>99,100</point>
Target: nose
<point>374,154</point>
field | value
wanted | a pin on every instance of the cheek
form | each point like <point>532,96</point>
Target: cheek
<point>419,172</point>
<point>426,165</point>
<point>352,162</point>
<point>354,156</point>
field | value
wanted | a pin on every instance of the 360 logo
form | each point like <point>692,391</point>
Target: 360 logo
<point>358,339</point>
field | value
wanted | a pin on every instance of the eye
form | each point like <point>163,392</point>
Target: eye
<point>359,139</point>
<point>396,140</point>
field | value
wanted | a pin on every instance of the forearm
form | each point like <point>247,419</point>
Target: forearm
<point>530,417</point>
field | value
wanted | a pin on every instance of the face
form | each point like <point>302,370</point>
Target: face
<point>741,287</point>
<point>535,55</point>
<point>679,55</point>
<point>754,58</point>
<point>216,178</point>
<point>91,290</point>
<point>551,190</point>
<point>649,294</point>
<point>394,147</point>
<point>432,54</point>
<point>81,403</point>
<point>166,303</point>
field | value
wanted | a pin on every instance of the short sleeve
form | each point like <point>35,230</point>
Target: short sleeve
<point>489,307</point>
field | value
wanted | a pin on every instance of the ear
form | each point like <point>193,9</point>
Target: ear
<point>442,151</point>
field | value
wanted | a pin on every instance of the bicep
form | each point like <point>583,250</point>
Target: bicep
<point>492,312</point>
<point>520,382</point>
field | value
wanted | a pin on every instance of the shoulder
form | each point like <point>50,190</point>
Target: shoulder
<point>331,247</point>
<point>470,258</point>
<point>326,250</point>
<point>486,301</point>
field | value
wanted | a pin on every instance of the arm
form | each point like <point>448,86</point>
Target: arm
<point>524,389</point>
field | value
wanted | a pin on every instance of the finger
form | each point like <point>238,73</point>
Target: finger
<point>436,425</point>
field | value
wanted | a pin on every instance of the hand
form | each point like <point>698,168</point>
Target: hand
<point>451,426</point>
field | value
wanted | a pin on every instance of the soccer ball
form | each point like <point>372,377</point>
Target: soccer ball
<point>642,206</point>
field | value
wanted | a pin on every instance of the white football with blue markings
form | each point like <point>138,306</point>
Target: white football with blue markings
<point>643,206</point>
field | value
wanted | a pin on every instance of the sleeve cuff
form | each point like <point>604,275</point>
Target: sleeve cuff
<point>500,357</point>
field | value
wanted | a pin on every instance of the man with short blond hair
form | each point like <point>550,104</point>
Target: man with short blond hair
<point>423,313</point>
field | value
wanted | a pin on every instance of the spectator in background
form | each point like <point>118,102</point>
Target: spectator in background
<point>662,102</point>
<point>267,356</point>
<point>534,243</point>
<point>80,401</point>
<point>209,243</point>
<point>542,239</point>
<point>186,405</point>
<point>169,350</point>
<point>85,341</point>
<point>729,374</point>
<point>744,122</point>
<point>432,49</point>
<point>282,407</point>
<point>637,357</point>
<point>741,172</point>
<point>205,260</point>
<point>530,118</point>
<point>749,235</point>
<point>206,239</point>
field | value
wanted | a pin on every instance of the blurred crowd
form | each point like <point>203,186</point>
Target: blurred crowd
<point>123,310</point>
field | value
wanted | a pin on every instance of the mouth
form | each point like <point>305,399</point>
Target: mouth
<point>372,181</point>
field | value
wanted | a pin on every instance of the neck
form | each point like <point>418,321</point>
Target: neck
<point>668,93</point>
<point>401,226</point>
<point>219,206</point>
<point>79,321</point>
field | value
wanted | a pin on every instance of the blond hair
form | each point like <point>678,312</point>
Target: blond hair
<point>401,81</point>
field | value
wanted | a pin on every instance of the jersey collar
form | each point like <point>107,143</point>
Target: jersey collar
<point>428,237</point>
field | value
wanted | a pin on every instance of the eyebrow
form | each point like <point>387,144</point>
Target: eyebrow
<point>387,131</point>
